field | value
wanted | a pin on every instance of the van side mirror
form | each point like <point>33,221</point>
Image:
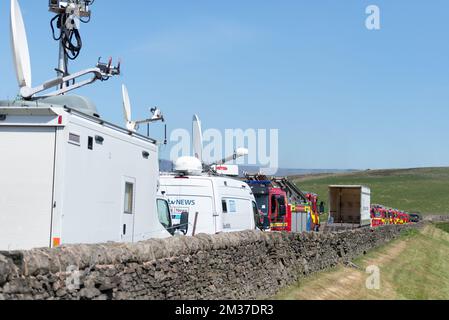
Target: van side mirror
<point>184,225</point>
<point>322,208</point>
<point>259,222</point>
<point>266,223</point>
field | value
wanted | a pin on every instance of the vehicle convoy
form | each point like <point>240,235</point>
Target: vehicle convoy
<point>381,216</point>
<point>210,202</point>
<point>350,207</point>
<point>68,175</point>
<point>283,205</point>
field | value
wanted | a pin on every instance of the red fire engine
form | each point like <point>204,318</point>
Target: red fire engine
<point>278,199</point>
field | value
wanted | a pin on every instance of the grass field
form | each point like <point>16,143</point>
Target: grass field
<point>415,190</point>
<point>414,267</point>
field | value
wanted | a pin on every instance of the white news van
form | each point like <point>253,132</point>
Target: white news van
<point>215,203</point>
<point>67,177</point>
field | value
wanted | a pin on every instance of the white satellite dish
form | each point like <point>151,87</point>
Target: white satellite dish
<point>197,138</point>
<point>127,109</point>
<point>19,44</point>
<point>134,125</point>
<point>189,166</point>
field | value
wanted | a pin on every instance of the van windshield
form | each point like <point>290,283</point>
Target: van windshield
<point>262,203</point>
<point>164,215</point>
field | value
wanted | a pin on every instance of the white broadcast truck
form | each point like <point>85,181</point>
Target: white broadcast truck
<point>68,176</point>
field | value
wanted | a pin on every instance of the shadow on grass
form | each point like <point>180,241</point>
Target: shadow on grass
<point>443,226</point>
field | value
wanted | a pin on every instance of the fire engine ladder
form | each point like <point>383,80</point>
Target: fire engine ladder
<point>293,192</point>
<point>256,177</point>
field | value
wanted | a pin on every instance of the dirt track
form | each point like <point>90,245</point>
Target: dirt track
<point>348,283</point>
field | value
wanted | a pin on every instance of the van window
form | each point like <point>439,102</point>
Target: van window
<point>224,206</point>
<point>255,209</point>
<point>274,204</point>
<point>281,200</point>
<point>257,218</point>
<point>263,202</point>
<point>90,143</point>
<point>232,206</point>
<point>129,198</point>
<point>163,211</point>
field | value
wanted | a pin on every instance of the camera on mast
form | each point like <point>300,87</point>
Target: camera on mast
<point>60,6</point>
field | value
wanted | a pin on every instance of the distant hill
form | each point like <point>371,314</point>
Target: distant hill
<point>283,172</point>
<point>167,166</point>
<point>424,190</point>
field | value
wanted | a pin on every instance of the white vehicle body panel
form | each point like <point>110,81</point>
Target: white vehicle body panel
<point>205,195</point>
<point>365,206</point>
<point>26,186</point>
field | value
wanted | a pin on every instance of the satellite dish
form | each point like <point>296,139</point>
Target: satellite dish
<point>127,109</point>
<point>197,138</point>
<point>189,166</point>
<point>134,125</point>
<point>19,45</point>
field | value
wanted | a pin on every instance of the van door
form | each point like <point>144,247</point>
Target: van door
<point>27,156</point>
<point>128,214</point>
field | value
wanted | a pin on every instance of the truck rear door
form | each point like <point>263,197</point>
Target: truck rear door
<point>27,156</point>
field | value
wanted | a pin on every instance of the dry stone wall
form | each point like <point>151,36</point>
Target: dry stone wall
<point>245,265</point>
<point>437,218</point>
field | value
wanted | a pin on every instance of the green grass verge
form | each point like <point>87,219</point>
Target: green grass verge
<point>414,267</point>
<point>443,226</point>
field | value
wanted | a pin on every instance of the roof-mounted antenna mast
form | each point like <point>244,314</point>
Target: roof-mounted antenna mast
<point>69,16</point>
<point>70,13</point>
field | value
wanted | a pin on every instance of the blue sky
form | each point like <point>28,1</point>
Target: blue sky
<point>341,95</point>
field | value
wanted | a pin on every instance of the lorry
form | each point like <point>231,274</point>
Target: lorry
<point>349,206</point>
<point>283,205</point>
<point>273,204</point>
<point>303,203</point>
<point>71,177</point>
